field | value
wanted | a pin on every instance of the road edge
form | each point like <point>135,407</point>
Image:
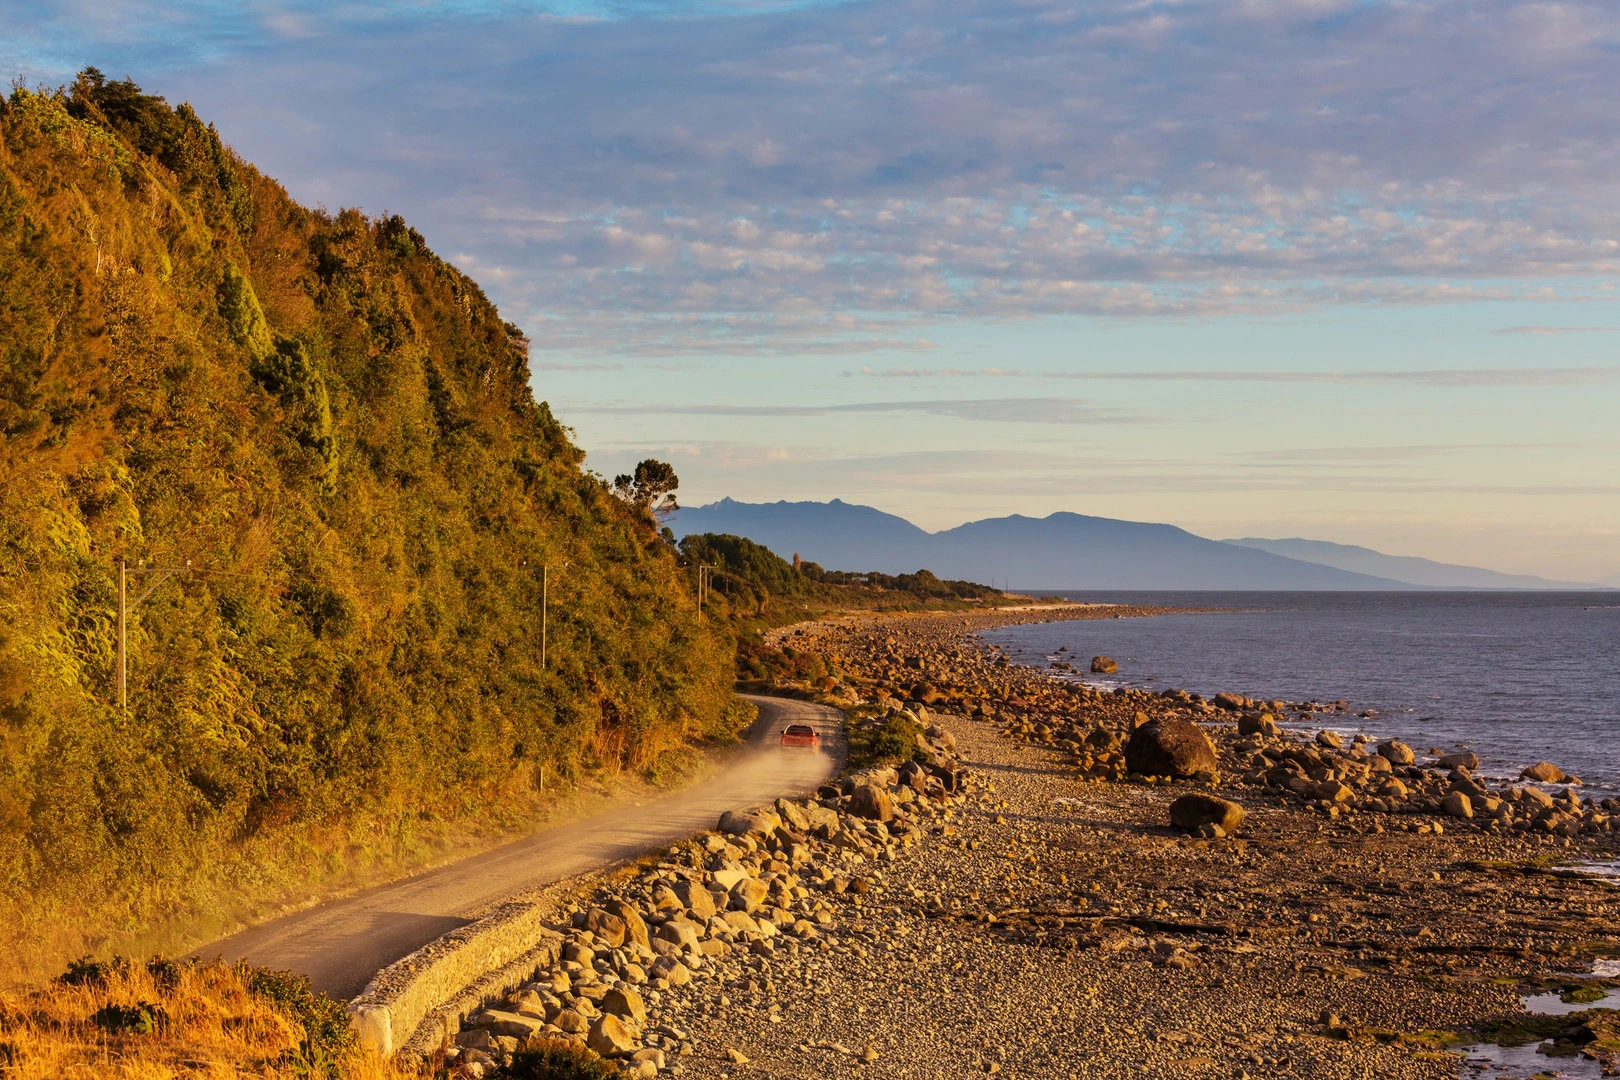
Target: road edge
<point>454,974</point>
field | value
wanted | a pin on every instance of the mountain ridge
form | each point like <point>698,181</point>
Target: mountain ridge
<point>1075,551</point>
<point>1081,551</point>
<point>1428,573</point>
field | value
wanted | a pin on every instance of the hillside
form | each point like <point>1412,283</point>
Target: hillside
<point>335,430</point>
<point>1413,571</point>
<point>1063,551</point>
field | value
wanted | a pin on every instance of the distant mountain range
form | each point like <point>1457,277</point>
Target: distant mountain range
<point>1073,551</point>
<point>1421,572</point>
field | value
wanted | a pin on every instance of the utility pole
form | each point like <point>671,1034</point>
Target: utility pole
<point>705,574</point>
<point>545,604</point>
<point>164,573</point>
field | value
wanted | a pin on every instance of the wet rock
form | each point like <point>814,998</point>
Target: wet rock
<point>1396,752</point>
<point>1544,772</point>
<point>1104,665</point>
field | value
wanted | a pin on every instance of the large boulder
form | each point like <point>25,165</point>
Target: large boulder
<point>871,801</point>
<point>1396,752</point>
<point>1192,812</point>
<point>744,822</point>
<point>623,1000</point>
<point>1175,748</point>
<point>1263,724</point>
<point>1104,665</point>
<point>1462,759</point>
<point>611,1036</point>
<point>635,927</point>
<point>1544,772</point>
<point>514,1025</point>
<point>1231,702</point>
<point>608,928</point>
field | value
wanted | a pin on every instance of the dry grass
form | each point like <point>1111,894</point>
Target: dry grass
<point>202,1021</point>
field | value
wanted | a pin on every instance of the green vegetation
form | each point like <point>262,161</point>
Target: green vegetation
<point>558,1059</point>
<point>875,741</point>
<point>755,589</point>
<point>337,429</point>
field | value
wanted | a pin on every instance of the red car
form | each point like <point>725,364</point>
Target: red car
<point>800,737</point>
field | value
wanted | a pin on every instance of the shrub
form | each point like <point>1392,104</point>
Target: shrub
<point>328,1038</point>
<point>558,1059</point>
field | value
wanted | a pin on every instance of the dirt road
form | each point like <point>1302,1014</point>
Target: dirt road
<point>340,945</point>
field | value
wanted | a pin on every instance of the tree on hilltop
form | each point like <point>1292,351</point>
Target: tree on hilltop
<point>650,488</point>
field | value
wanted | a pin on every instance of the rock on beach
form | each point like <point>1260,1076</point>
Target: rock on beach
<point>1176,748</point>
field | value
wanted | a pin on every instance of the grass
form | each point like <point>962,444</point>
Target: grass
<point>123,1021</point>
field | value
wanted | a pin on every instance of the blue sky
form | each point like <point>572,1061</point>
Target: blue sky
<point>1336,268</point>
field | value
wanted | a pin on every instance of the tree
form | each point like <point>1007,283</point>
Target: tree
<point>650,488</point>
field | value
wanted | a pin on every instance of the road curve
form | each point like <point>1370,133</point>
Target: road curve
<point>341,944</point>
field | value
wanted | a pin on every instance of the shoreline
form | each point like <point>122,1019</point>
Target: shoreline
<point>1046,919</point>
<point>1503,747</point>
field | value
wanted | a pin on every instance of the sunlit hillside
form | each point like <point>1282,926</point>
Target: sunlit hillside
<point>333,430</point>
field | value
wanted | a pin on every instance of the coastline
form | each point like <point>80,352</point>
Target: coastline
<point>1022,905</point>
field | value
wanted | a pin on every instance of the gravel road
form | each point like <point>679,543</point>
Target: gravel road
<point>341,944</point>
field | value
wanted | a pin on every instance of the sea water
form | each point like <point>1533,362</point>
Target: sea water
<point>1516,677</point>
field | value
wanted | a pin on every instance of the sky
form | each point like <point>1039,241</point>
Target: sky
<point>1342,269</point>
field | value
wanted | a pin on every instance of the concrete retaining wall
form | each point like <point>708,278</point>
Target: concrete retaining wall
<point>394,1004</point>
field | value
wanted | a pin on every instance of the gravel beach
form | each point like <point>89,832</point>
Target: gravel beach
<point>1044,918</point>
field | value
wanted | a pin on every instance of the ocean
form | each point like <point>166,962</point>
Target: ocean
<point>1516,677</point>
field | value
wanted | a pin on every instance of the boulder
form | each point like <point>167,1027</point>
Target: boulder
<point>1176,748</point>
<point>1544,772</point>
<point>1396,752</point>
<point>696,899</point>
<point>609,929</point>
<point>1329,739</point>
<point>792,815</point>
<point>635,927</point>
<point>1536,797</point>
<point>671,971</point>
<point>624,1001</point>
<point>1231,702</point>
<point>1104,665</point>
<point>611,1037</point>
<point>745,822</point>
<point>515,1025</point>
<point>1190,812</point>
<point>571,1021</point>
<point>1462,759</point>
<point>871,801</point>
<point>749,895</point>
<point>1457,805</point>
<point>681,932</point>
<point>1258,724</point>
